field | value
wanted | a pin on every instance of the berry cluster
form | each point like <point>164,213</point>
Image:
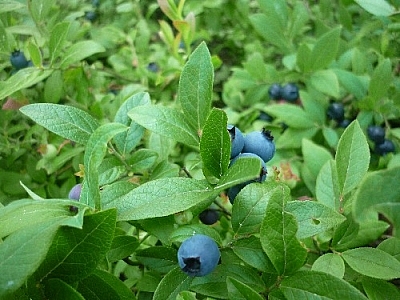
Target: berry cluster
<point>335,112</point>
<point>258,144</point>
<point>288,92</point>
<point>198,255</point>
<point>376,134</point>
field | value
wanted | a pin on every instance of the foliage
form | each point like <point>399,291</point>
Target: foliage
<point>133,101</point>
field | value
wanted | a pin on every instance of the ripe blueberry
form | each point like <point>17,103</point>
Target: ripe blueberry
<point>209,216</point>
<point>376,134</point>
<point>233,191</point>
<point>275,91</point>
<point>260,143</point>
<point>198,255</point>
<point>18,60</point>
<point>75,194</point>
<point>237,140</point>
<point>384,148</point>
<point>153,67</point>
<point>91,16</point>
<point>290,92</point>
<point>336,111</point>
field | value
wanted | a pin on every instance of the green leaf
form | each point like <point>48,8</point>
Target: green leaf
<point>54,87</point>
<point>122,246</point>
<point>161,197</point>
<point>79,51</point>
<point>195,87</point>
<point>325,49</point>
<point>313,285</point>
<point>127,141</point>
<point>275,34</point>
<point>22,79</point>
<point>313,218</point>
<point>185,231</point>
<point>345,234</point>
<point>278,235</point>
<point>238,290</point>
<point>329,263</point>
<point>67,121</point>
<point>75,253</point>
<point>103,285</point>
<point>172,284</point>
<point>34,53</point>
<point>57,289</point>
<point>392,246</point>
<point>25,213</point>
<point>293,115</point>
<point>249,250</point>
<point>10,5</point>
<point>326,82</point>
<point>293,137</point>
<point>21,256</point>
<point>160,259</point>
<point>215,144</point>
<point>377,7</point>
<point>376,188</point>
<point>381,81</point>
<point>214,285</point>
<point>372,262</point>
<point>40,9</point>
<point>352,83</point>
<point>57,40</point>
<point>142,160</point>
<point>327,186</point>
<point>95,150</point>
<point>315,157</point>
<point>352,157</point>
<point>377,289</point>
<point>165,121</point>
<point>249,207</point>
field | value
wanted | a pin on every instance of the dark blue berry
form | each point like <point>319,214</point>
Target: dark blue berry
<point>263,171</point>
<point>237,140</point>
<point>384,148</point>
<point>18,60</point>
<point>209,216</point>
<point>344,123</point>
<point>376,134</point>
<point>153,67</point>
<point>198,255</point>
<point>75,194</point>
<point>275,91</point>
<point>260,143</point>
<point>234,190</point>
<point>336,111</point>
<point>265,117</point>
<point>290,92</point>
<point>91,16</point>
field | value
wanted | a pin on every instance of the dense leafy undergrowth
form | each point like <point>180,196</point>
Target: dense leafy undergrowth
<point>131,100</point>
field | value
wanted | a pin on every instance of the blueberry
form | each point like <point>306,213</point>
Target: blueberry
<point>209,216</point>
<point>336,111</point>
<point>384,148</point>
<point>237,140</point>
<point>344,123</point>
<point>376,134</point>
<point>198,255</point>
<point>260,143</point>
<point>91,16</point>
<point>153,67</point>
<point>263,170</point>
<point>95,3</point>
<point>75,192</point>
<point>275,91</point>
<point>290,92</point>
<point>18,60</point>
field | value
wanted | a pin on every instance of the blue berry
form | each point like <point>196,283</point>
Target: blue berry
<point>18,60</point>
<point>260,143</point>
<point>384,148</point>
<point>376,134</point>
<point>290,92</point>
<point>153,67</point>
<point>209,216</point>
<point>263,116</point>
<point>336,111</point>
<point>91,16</point>
<point>344,123</point>
<point>198,255</point>
<point>275,91</point>
<point>75,192</point>
<point>233,191</point>
<point>237,140</point>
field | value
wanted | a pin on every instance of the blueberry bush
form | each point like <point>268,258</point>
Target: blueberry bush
<point>124,169</point>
